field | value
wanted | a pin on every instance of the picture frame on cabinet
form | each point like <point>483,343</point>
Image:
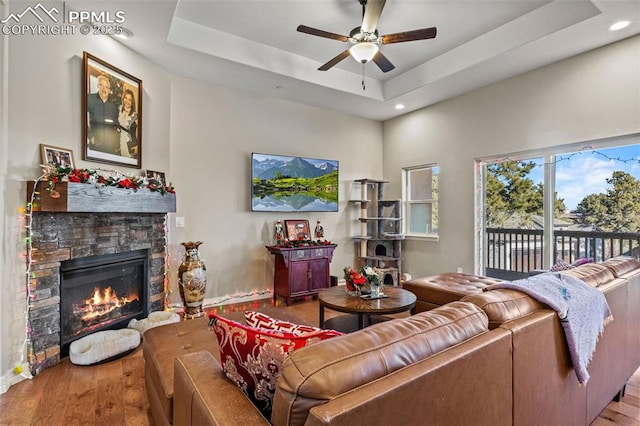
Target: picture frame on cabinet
<point>111,114</point>
<point>297,229</point>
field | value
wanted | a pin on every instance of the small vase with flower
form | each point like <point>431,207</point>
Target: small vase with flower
<point>374,278</point>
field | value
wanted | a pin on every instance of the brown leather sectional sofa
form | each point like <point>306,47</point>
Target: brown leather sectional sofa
<point>495,358</point>
<point>545,387</point>
<point>440,365</point>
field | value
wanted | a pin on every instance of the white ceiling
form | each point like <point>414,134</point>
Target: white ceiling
<point>253,45</point>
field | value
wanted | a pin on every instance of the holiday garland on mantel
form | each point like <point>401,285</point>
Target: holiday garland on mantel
<point>111,178</point>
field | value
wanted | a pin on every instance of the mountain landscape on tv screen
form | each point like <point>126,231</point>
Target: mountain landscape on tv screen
<point>295,167</point>
<point>293,184</point>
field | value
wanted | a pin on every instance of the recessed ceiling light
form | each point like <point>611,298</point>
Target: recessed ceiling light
<point>399,106</point>
<point>124,34</point>
<point>619,25</point>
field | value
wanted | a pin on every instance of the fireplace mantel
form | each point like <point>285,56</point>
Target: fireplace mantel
<point>87,198</point>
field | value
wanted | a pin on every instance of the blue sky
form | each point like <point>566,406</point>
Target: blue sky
<point>585,172</point>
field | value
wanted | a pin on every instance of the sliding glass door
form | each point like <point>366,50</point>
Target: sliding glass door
<point>565,206</point>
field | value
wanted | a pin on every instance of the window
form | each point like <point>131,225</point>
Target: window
<point>562,203</point>
<point>420,196</point>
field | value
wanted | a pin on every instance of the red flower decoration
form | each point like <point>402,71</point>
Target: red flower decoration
<point>353,279</point>
<point>126,183</point>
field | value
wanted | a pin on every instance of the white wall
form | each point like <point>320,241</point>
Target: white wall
<point>199,134</point>
<point>5,351</point>
<point>591,96</point>
<point>214,130</point>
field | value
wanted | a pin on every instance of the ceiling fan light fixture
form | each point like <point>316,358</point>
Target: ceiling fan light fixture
<point>364,39</point>
<point>363,52</point>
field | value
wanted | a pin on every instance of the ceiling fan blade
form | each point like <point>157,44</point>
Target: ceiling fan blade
<point>372,12</point>
<point>321,33</point>
<point>334,61</point>
<point>382,62</point>
<point>409,36</point>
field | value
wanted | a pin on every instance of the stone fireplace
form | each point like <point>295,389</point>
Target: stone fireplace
<point>59,237</point>
<point>87,223</point>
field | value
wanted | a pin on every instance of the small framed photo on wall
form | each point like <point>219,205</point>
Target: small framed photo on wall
<point>111,114</point>
<point>56,156</point>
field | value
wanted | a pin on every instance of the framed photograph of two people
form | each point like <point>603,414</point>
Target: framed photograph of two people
<point>111,114</point>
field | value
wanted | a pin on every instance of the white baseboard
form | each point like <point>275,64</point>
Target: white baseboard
<point>11,378</point>
<point>229,300</point>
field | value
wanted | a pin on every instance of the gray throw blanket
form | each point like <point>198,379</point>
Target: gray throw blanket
<point>583,312</point>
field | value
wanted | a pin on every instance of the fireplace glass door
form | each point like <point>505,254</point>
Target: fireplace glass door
<point>101,292</point>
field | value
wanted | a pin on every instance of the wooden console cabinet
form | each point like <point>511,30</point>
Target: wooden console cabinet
<point>301,271</point>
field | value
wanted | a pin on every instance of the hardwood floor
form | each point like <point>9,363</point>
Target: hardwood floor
<point>114,393</point>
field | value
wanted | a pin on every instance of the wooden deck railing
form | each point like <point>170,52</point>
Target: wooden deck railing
<point>513,253</point>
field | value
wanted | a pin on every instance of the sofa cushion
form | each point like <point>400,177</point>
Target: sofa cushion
<point>441,289</point>
<point>502,305</point>
<point>260,320</point>
<point>582,261</point>
<point>560,265</point>
<point>251,357</point>
<point>621,265</point>
<point>161,345</point>
<point>594,274</point>
<point>313,375</point>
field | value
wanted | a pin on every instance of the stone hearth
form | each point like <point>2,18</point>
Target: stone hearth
<point>56,237</point>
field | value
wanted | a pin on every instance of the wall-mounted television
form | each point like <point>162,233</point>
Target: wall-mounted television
<point>293,184</point>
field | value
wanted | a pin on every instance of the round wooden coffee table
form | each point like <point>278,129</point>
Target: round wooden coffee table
<point>337,299</point>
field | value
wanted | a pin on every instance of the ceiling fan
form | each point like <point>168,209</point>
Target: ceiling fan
<point>365,40</point>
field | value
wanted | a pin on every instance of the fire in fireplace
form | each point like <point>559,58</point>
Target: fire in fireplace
<point>100,293</point>
<point>101,307</point>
